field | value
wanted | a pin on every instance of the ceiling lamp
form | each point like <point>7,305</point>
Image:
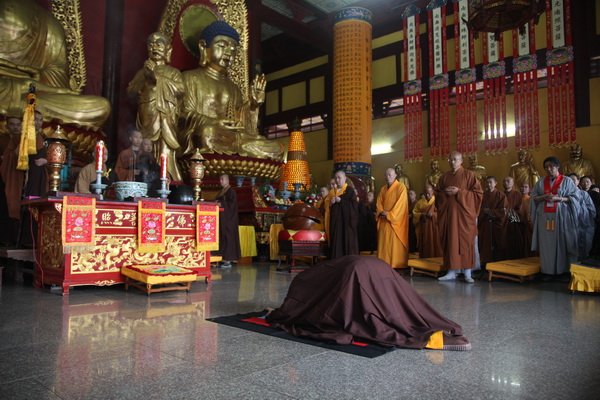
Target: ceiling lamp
<point>502,15</point>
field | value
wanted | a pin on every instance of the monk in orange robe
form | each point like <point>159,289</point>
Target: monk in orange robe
<point>425,222</point>
<point>491,223</point>
<point>458,197</point>
<point>392,222</point>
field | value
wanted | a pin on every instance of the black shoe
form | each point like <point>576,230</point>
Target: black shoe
<point>226,265</point>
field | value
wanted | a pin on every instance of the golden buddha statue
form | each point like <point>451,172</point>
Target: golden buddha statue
<point>577,164</point>
<point>524,171</point>
<point>33,50</point>
<point>159,89</point>
<point>434,175</point>
<point>215,118</point>
<point>401,177</point>
<point>478,170</point>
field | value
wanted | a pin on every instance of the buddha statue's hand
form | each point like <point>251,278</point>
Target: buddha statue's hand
<point>19,70</point>
<point>257,90</point>
<point>230,125</point>
<point>149,67</point>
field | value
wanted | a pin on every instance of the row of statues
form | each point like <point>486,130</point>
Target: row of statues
<point>179,111</point>
<point>200,108</point>
<point>523,171</point>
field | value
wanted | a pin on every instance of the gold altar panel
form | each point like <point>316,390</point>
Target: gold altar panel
<point>112,251</point>
<point>51,250</point>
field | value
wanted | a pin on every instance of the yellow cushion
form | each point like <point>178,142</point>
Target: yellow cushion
<point>584,278</point>
<point>522,267</point>
<point>159,274</point>
<point>427,264</point>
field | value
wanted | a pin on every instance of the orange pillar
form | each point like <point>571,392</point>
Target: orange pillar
<point>352,87</point>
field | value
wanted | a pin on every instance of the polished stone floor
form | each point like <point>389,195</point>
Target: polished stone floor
<point>530,341</point>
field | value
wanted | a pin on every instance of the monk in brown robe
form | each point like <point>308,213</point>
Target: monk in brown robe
<point>491,223</point>
<point>126,166</point>
<point>517,221</point>
<point>458,197</point>
<point>343,218</point>
<point>229,236</point>
<point>425,218</point>
<point>323,303</point>
<point>413,240</point>
<point>527,226</point>
<point>392,222</point>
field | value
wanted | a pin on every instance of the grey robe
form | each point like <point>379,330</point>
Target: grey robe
<point>586,223</point>
<point>558,247</point>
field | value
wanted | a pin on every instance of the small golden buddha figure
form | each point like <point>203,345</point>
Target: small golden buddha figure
<point>401,177</point>
<point>478,170</point>
<point>159,90</point>
<point>577,164</point>
<point>434,175</point>
<point>215,118</point>
<point>33,50</point>
<point>524,171</point>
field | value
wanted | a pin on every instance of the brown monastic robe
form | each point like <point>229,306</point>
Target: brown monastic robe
<point>126,163</point>
<point>12,177</point>
<point>492,229</point>
<point>429,236</point>
<point>457,216</point>
<point>229,235</point>
<point>515,231</point>
<point>343,224</point>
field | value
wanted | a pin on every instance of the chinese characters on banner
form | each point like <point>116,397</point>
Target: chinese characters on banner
<point>413,124</point>
<point>559,58</point>
<point>494,94</point>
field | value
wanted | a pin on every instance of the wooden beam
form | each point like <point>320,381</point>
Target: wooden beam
<point>293,28</point>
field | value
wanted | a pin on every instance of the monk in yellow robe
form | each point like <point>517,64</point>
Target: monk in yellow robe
<point>392,222</point>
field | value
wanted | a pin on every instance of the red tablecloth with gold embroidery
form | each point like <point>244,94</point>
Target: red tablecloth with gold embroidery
<point>116,244</point>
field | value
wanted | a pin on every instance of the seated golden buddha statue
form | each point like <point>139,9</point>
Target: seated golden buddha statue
<point>33,50</point>
<point>215,118</point>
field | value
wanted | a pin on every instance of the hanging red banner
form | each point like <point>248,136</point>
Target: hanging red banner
<point>494,95</point>
<point>413,133</point>
<point>559,60</point>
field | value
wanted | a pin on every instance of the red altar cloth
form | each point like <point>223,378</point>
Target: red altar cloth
<point>115,244</point>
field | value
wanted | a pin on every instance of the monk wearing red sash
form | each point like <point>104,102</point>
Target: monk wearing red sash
<point>554,211</point>
<point>392,222</point>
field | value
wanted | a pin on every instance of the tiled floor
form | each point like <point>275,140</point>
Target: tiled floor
<point>530,341</point>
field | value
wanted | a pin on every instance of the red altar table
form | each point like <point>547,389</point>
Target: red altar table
<point>116,244</point>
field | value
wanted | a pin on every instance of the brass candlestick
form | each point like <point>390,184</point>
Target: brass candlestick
<point>56,156</point>
<point>196,173</point>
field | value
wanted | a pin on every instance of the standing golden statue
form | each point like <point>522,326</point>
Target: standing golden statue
<point>401,177</point>
<point>524,171</point>
<point>159,90</point>
<point>478,170</point>
<point>215,118</point>
<point>434,175</point>
<point>577,164</point>
<point>33,50</point>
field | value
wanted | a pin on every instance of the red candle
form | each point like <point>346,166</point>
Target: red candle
<point>163,166</point>
<point>99,155</point>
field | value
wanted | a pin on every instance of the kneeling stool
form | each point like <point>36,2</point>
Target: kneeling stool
<point>144,277</point>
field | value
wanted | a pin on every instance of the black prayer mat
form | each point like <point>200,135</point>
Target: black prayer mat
<point>253,322</point>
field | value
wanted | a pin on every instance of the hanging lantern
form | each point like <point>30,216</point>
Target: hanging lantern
<point>502,15</point>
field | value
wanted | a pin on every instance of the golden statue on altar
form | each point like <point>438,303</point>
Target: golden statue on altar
<point>159,90</point>
<point>401,177</point>
<point>524,171</point>
<point>215,117</point>
<point>577,164</point>
<point>33,50</point>
<point>435,174</point>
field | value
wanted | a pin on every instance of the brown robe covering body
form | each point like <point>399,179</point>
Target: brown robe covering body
<point>343,225</point>
<point>358,298</point>
<point>492,230</point>
<point>413,240</point>
<point>37,176</point>
<point>229,235</point>
<point>515,231</point>
<point>429,236</point>
<point>457,216</point>
<point>124,163</point>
